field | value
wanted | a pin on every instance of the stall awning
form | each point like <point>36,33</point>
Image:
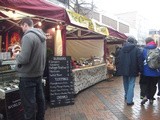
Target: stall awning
<point>116,34</point>
<point>40,8</point>
<point>85,25</point>
<point>84,22</point>
<point>79,20</point>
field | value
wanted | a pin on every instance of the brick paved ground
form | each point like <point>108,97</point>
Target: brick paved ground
<point>105,101</point>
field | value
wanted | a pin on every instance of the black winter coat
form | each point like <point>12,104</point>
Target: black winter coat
<point>129,60</point>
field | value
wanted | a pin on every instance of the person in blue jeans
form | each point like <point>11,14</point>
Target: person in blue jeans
<point>129,83</point>
<point>129,65</point>
<point>30,65</point>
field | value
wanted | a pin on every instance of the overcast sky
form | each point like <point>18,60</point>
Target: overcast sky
<point>148,8</point>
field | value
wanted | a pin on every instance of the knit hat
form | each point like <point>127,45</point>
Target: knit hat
<point>132,40</point>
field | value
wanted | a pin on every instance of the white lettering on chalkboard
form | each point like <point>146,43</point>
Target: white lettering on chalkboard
<point>59,58</point>
<point>55,75</point>
<point>51,61</point>
<point>63,79</point>
<point>62,97</point>
<point>58,67</point>
<point>58,83</point>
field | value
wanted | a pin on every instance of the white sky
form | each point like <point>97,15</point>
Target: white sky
<point>148,8</point>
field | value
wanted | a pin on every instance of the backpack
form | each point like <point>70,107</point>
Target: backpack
<point>153,58</point>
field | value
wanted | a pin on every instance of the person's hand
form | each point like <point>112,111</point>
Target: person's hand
<point>15,54</point>
<point>16,50</point>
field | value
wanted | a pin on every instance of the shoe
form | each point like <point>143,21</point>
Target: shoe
<point>144,101</point>
<point>153,98</point>
<point>130,104</point>
<point>141,97</point>
<point>151,101</point>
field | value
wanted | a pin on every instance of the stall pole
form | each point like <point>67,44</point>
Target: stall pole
<point>64,41</point>
<point>105,50</point>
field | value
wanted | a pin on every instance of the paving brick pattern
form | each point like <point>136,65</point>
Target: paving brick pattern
<point>105,101</point>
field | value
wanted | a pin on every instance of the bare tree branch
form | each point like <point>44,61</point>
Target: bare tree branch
<point>80,6</point>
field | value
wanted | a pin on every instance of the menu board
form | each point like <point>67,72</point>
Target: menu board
<point>61,84</point>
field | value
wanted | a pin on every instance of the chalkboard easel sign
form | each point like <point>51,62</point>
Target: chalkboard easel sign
<point>61,84</point>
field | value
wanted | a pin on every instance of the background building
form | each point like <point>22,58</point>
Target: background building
<point>155,34</point>
<point>138,25</point>
<point>129,23</point>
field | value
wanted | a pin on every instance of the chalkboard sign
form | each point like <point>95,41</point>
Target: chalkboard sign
<point>60,81</point>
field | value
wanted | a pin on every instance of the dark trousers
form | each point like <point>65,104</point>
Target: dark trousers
<point>143,86</point>
<point>151,86</point>
<point>159,87</point>
<point>32,97</point>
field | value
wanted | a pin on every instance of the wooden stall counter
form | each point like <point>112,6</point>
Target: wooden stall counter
<point>86,77</point>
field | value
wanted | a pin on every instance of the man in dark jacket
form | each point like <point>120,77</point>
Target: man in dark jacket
<point>129,66</point>
<point>30,66</point>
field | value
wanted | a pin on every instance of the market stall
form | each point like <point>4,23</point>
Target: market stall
<point>86,43</point>
<point>50,18</point>
<point>88,57</point>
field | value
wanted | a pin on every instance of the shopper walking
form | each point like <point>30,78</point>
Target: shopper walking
<point>129,66</point>
<point>30,66</point>
<point>151,75</point>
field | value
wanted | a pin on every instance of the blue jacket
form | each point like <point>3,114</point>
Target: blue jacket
<point>146,70</point>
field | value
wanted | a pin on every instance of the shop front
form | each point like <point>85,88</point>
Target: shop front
<point>51,19</point>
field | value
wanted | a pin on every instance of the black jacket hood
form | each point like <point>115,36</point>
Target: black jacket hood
<point>128,47</point>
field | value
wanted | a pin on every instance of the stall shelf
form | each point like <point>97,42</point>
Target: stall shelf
<point>86,77</point>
